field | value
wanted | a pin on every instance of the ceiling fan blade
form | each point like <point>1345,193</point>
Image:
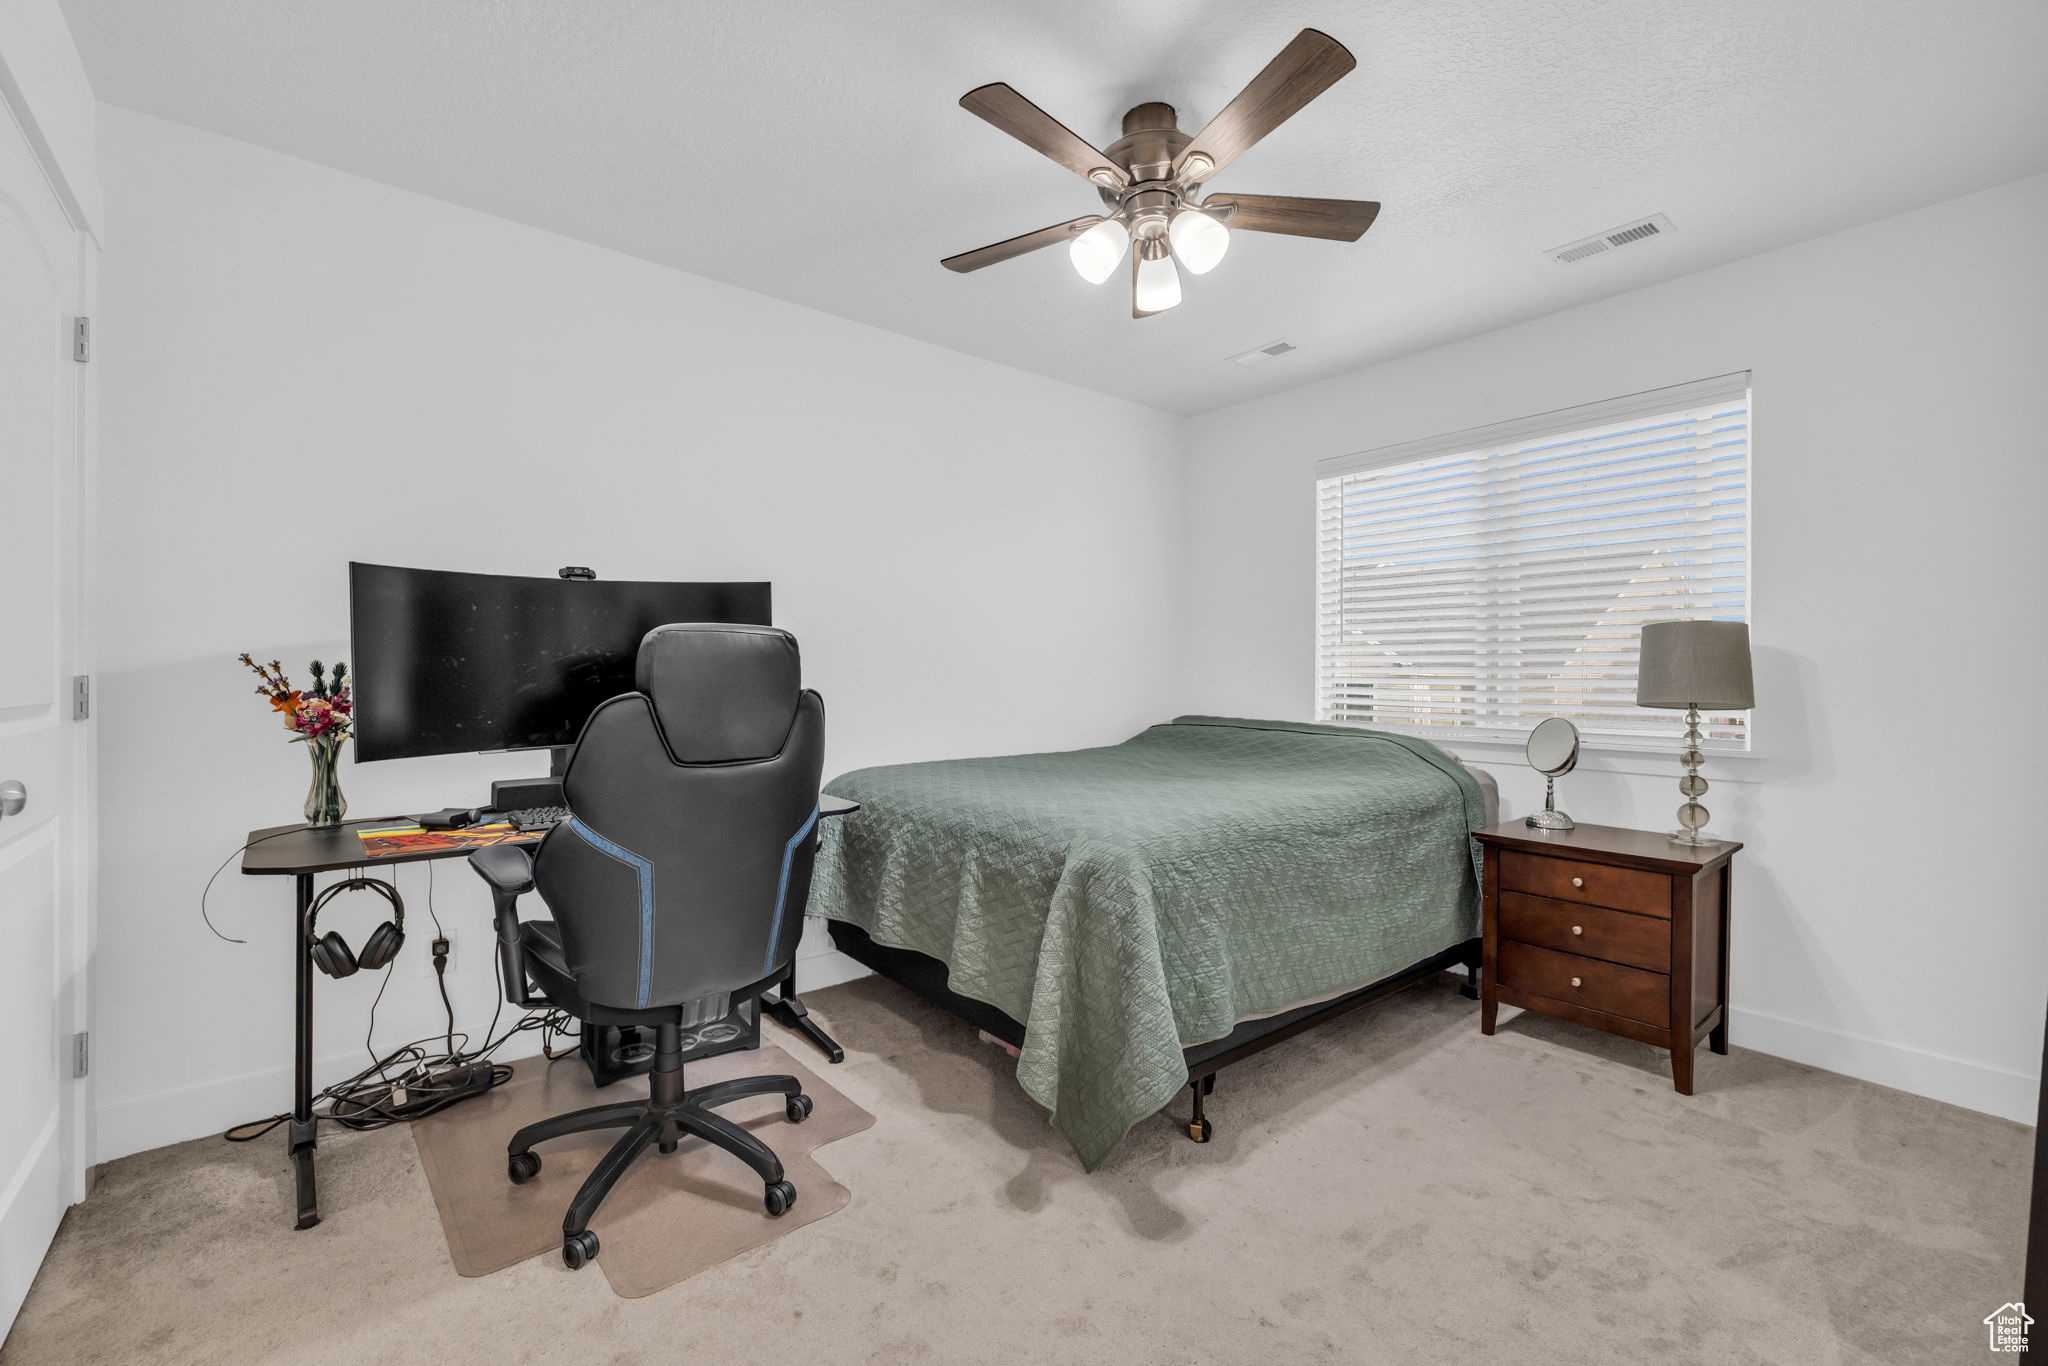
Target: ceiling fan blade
<point>1339,220</point>
<point>1017,246</point>
<point>1305,68</point>
<point>1041,132</point>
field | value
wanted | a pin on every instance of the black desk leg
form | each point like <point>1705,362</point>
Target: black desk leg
<point>788,1008</point>
<point>304,1129</point>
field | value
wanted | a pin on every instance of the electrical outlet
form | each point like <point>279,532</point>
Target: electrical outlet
<point>423,963</point>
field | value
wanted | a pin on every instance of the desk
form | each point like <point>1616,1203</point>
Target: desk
<point>300,853</point>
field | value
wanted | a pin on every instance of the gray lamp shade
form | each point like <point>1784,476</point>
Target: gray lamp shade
<point>1695,664</point>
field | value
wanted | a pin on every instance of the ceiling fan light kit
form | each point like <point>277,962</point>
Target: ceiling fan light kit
<point>1155,284</point>
<point>1149,180</point>
<point>1198,240</point>
<point>1096,252</point>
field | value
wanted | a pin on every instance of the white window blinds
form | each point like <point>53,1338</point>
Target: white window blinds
<point>1473,584</point>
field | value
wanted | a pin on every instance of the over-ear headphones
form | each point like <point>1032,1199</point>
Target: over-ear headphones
<point>331,952</point>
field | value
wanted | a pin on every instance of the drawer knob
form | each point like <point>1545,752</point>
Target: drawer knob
<point>1575,981</point>
<point>1578,929</point>
<point>1578,882</point>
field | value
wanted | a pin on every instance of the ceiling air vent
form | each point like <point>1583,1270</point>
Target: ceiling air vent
<point>1259,355</point>
<point>1600,243</point>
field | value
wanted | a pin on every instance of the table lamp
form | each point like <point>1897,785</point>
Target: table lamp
<point>1688,665</point>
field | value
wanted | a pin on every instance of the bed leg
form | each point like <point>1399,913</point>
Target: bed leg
<point>1198,1127</point>
<point>1470,989</point>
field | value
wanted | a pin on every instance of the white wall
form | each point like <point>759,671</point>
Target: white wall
<point>1887,921</point>
<point>981,561</point>
<point>303,368</point>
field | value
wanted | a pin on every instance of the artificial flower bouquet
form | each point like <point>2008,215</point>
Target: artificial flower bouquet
<point>321,717</point>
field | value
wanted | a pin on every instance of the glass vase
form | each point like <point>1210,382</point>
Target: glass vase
<point>324,803</point>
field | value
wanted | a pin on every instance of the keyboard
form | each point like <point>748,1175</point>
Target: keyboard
<point>537,817</point>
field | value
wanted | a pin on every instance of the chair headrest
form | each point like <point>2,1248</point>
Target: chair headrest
<point>721,692</point>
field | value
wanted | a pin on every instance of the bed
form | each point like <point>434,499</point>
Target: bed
<point>1134,917</point>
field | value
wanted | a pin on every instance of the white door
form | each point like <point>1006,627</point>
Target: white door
<point>42,884</point>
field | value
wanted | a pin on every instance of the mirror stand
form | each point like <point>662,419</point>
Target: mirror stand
<point>1550,818</point>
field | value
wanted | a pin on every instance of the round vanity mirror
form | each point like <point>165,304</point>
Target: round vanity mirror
<point>1554,747</point>
<point>1553,751</point>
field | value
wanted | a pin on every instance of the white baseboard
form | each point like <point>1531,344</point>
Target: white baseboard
<point>1973,1086</point>
<point>827,968</point>
<point>133,1126</point>
<point>2009,1095</point>
<point>195,1111</point>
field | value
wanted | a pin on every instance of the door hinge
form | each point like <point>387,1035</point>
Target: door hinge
<point>81,339</point>
<point>81,1053</point>
<point>81,696</point>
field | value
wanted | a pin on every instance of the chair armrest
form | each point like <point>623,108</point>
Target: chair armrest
<point>509,870</point>
<point>507,867</point>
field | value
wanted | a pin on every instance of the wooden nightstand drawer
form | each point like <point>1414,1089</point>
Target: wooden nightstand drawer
<point>1589,982</point>
<point>1640,941</point>
<point>1590,884</point>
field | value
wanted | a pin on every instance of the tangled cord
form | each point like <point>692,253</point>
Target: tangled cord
<point>410,1082</point>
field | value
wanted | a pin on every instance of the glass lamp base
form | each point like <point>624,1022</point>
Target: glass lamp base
<point>1692,817</point>
<point>1550,820</point>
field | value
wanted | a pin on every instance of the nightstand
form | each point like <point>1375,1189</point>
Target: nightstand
<point>1621,930</point>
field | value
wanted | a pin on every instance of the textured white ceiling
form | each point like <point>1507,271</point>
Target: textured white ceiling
<point>814,151</point>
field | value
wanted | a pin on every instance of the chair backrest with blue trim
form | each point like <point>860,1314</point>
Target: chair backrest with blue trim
<point>681,878</point>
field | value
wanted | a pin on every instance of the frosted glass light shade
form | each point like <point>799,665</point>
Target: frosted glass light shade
<point>1158,286</point>
<point>1198,240</point>
<point>1096,252</point>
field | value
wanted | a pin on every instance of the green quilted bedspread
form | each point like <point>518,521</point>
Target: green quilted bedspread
<point>1126,901</point>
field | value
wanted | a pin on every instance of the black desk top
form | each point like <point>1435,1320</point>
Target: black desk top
<point>286,850</point>
<point>289,849</point>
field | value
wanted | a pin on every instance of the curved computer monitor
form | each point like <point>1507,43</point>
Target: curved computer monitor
<point>450,663</point>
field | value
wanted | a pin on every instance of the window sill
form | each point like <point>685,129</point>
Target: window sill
<point>1606,756</point>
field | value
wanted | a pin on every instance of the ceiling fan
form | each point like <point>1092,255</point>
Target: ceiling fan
<point>1149,179</point>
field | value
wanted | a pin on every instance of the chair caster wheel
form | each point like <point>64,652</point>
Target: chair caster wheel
<point>778,1197</point>
<point>522,1167</point>
<point>1200,1131</point>
<point>798,1109</point>
<point>579,1249</point>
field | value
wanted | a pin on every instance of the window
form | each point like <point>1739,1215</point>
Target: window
<point>1470,585</point>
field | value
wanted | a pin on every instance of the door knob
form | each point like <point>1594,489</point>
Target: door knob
<point>13,797</point>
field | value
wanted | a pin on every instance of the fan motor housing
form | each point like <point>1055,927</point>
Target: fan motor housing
<point>1150,142</point>
<point>1146,151</point>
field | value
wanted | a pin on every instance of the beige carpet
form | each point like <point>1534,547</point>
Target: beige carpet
<point>670,1217</point>
<point>1390,1188</point>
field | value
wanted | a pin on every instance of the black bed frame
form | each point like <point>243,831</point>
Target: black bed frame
<point>927,977</point>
